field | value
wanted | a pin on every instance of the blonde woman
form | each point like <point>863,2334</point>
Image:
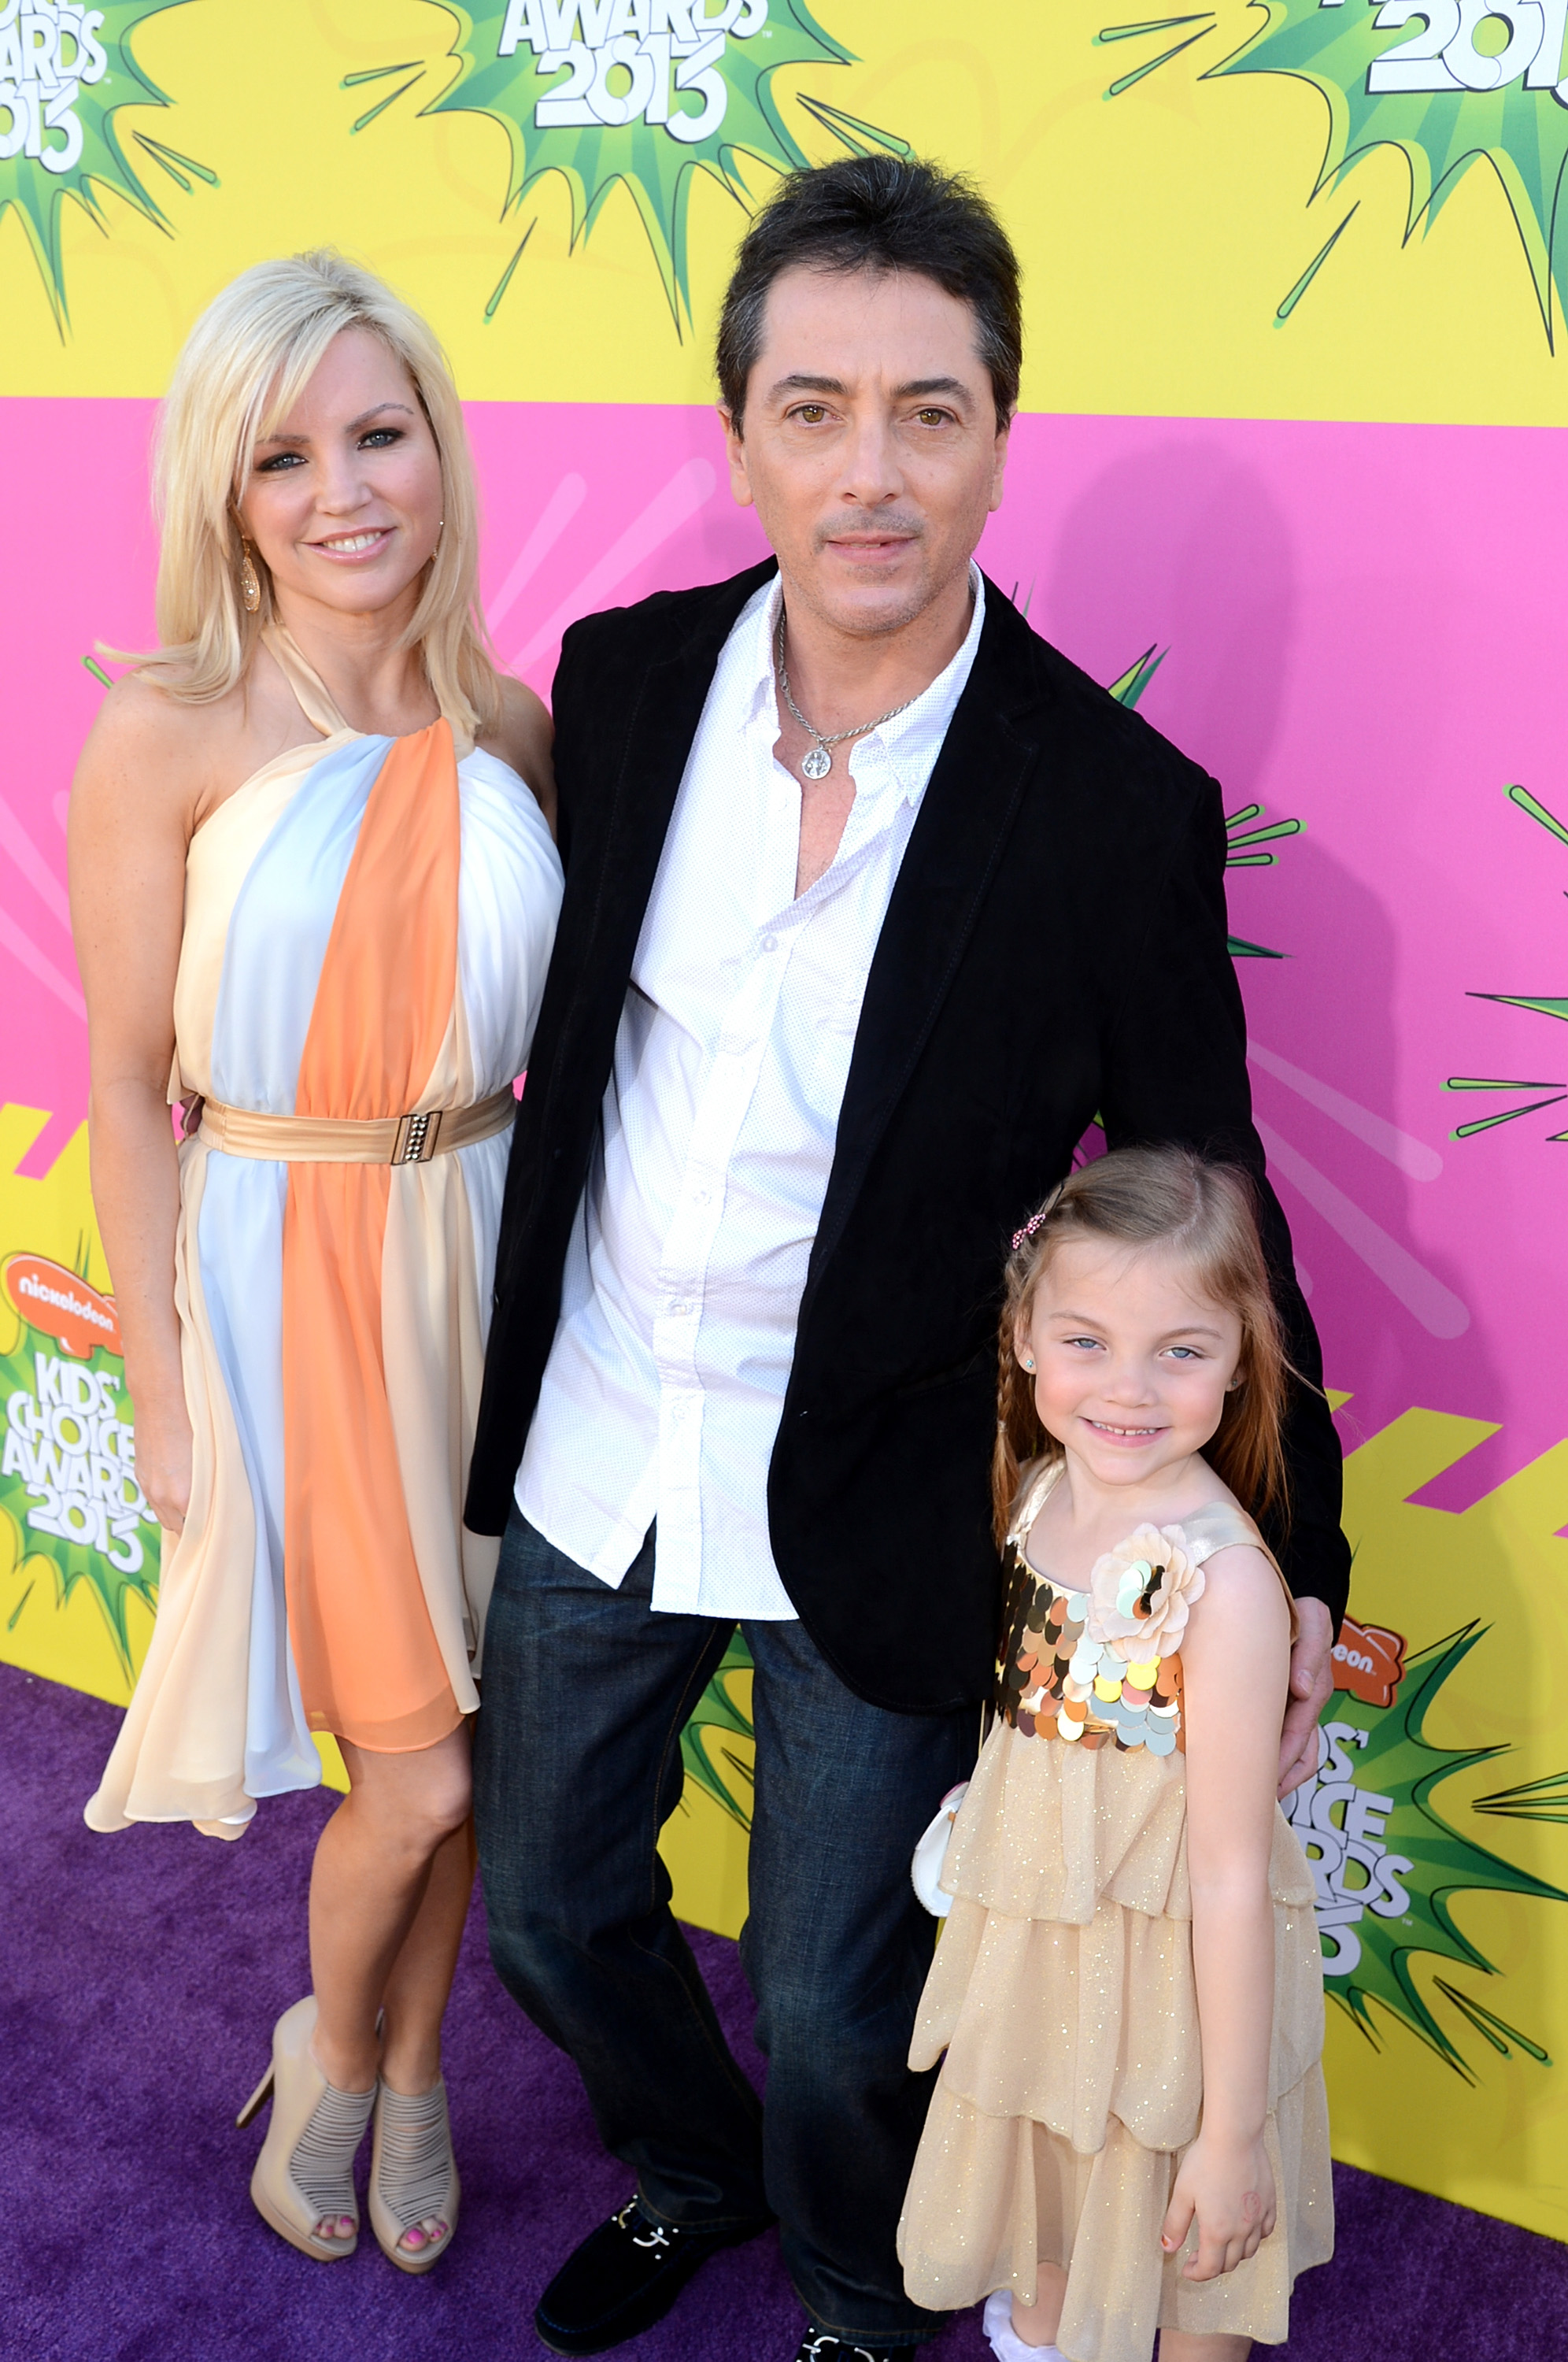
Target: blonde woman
<point>314,886</point>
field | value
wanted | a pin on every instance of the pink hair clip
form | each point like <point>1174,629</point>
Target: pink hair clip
<point>1044,1214</point>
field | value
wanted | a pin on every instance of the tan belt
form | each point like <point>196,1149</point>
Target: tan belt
<point>329,1140</point>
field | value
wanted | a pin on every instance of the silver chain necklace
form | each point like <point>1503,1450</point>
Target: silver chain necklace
<point>818,762</point>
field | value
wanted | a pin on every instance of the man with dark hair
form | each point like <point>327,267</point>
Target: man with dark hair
<point>872,902</point>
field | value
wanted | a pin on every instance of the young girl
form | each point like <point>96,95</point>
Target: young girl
<point>1130,2130</point>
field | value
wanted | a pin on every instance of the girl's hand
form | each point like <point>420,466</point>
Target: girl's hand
<point>163,1462</point>
<point>1230,2188</point>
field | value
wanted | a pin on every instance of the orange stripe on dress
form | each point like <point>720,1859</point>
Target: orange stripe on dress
<point>368,1663</point>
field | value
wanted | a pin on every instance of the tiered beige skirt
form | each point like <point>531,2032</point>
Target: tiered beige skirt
<point>1063,1994</point>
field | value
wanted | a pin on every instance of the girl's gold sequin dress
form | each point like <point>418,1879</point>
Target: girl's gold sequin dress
<point>1063,1990</point>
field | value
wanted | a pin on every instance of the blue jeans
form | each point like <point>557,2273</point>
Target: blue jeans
<point>577,1766</point>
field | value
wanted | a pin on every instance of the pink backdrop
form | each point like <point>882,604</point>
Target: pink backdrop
<point>1363,632</point>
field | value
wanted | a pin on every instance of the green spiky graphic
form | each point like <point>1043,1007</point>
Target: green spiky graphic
<point>1246,847</point>
<point>69,1562</point>
<point>727,1780</point>
<point>1394,1771</point>
<point>1450,86</point>
<point>50,66</point>
<point>1543,1004</point>
<point>727,71</point>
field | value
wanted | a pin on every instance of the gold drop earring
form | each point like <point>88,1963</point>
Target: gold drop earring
<point>250,580</point>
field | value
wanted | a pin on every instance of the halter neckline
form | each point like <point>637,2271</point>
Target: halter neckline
<point>313,698</point>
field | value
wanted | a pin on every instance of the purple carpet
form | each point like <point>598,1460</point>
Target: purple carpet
<point>138,1977</point>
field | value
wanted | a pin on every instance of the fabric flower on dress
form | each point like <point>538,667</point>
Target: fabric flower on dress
<point>1142,1592</point>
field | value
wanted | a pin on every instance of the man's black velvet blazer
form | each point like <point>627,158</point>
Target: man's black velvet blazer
<point>1054,949</point>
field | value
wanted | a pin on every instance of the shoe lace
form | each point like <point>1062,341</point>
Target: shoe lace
<point>822,2344</point>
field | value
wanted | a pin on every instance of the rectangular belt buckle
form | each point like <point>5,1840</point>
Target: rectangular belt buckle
<point>416,1138</point>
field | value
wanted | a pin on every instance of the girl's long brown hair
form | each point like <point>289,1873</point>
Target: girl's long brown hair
<point>1205,1213</point>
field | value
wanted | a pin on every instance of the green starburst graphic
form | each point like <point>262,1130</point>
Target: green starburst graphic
<point>1386,1862</point>
<point>1246,845</point>
<point>721,1771</point>
<point>1451,84</point>
<point>1543,1004</point>
<point>646,94</point>
<point>69,1486</point>
<point>65,74</point>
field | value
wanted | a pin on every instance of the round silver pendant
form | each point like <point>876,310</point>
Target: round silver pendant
<point>817,764</point>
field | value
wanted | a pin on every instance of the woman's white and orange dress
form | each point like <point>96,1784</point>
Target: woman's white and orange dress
<point>1063,1991</point>
<point>367,923</point>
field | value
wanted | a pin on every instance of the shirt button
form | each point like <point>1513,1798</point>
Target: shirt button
<point>770,942</point>
<point>680,1310</point>
<point>699,1196</point>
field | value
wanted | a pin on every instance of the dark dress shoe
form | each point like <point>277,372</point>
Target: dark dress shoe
<point>821,2345</point>
<point>623,2277</point>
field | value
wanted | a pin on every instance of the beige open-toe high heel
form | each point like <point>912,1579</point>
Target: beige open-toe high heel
<point>305,2175</point>
<point>413,2175</point>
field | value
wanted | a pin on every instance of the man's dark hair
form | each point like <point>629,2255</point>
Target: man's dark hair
<point>882,214</point>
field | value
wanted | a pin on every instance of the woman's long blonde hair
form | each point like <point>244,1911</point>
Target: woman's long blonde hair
<point>243,366</point>
<point>1205,1213</point>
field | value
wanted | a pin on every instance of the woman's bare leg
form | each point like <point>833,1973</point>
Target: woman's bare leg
<point>389,1894</point>
<point>416,1991</point>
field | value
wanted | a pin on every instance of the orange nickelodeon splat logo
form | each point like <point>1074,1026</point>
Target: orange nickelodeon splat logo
<point>1369,1662</point>
<point>52,1298</point>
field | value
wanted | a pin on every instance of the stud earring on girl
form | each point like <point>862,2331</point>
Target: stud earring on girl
<point>250,580</point>
<point>1028,1361</point>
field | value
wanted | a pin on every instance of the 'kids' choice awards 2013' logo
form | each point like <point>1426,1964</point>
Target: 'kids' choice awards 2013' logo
<point>1450,83</point>
<point>68,1446</point>
<point>46,56</point>
<point>1385,1860</point>
<point>66,71</point>
<point>667,60</point>
<point>643,92</point>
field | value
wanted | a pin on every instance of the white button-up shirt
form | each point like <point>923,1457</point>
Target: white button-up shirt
<point>683,1280</point>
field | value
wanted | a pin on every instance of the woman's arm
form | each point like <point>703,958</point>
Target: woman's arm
<point>525,737</point>
<point>130,817</point>
<point>1235,1661</point>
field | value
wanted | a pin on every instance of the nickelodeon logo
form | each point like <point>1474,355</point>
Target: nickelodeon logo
<point>50,1297</point>
<point>1369,1662</point>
